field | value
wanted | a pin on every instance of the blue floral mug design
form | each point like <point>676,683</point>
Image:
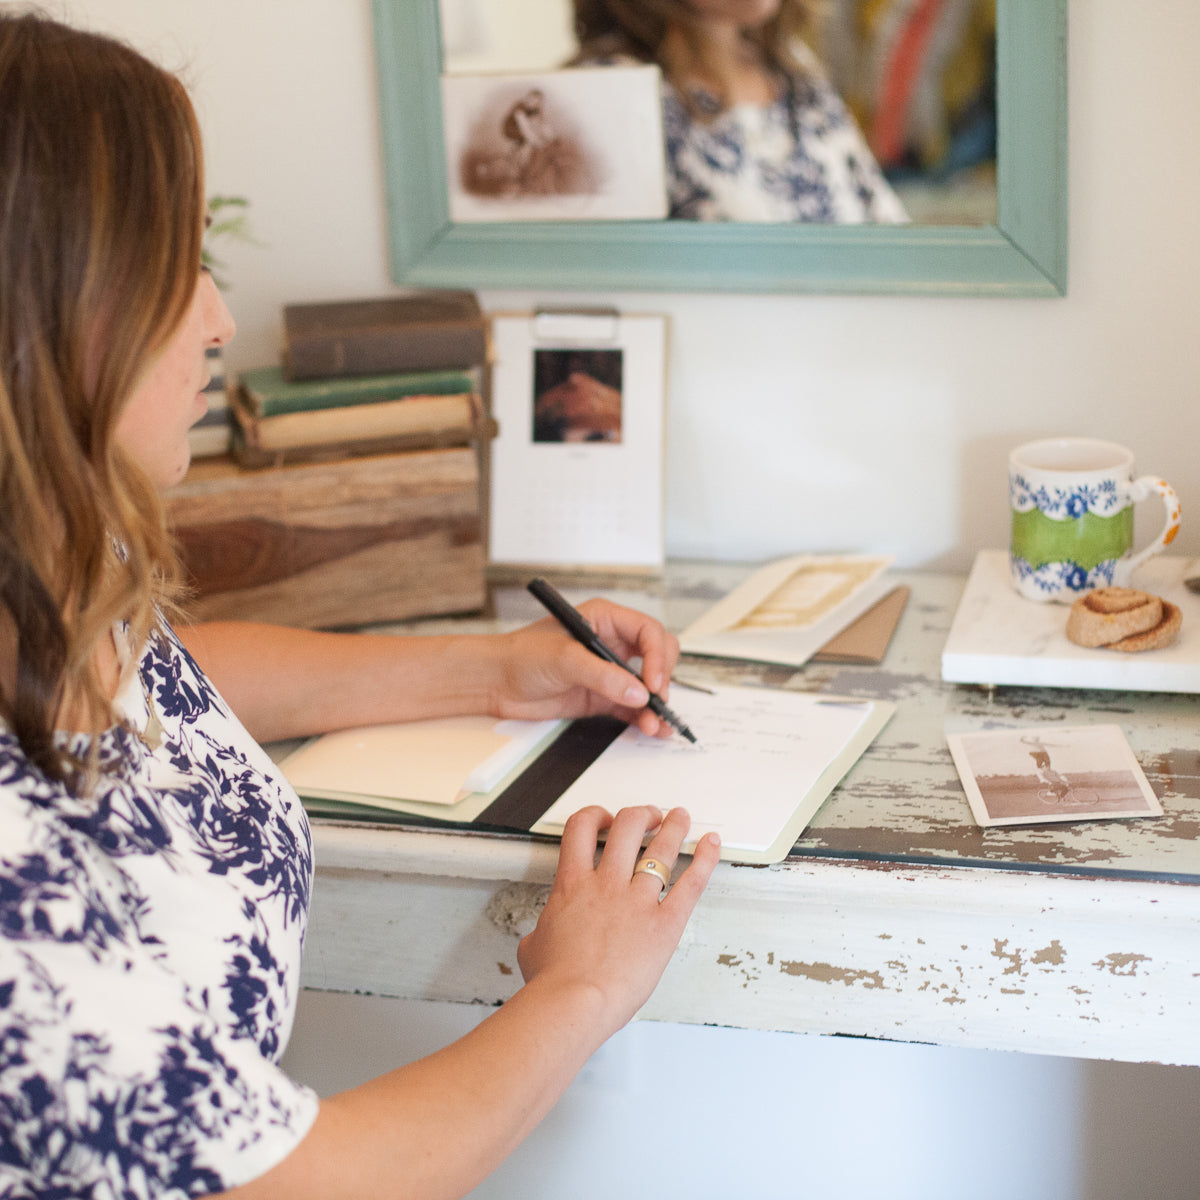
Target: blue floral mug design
<point>1072,517</point>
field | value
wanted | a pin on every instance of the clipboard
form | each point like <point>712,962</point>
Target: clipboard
<point>577,467</point>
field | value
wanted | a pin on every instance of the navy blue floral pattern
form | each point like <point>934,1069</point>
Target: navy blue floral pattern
<point>151,955</point>
<point>803,158</point>
<point>800,159</point>
<point>1104,498</point>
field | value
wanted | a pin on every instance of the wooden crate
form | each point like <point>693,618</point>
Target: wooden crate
<point>332,544</point>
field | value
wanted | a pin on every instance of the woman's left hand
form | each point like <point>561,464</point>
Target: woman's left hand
<point>544,672</point>
<point>607,930</point>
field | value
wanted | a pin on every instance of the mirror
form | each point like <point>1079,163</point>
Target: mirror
<point>919,79</point>
<point>1022,254</point>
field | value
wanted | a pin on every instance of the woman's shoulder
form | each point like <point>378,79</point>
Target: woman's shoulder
<point>811,85</point>
<point>178,684</point>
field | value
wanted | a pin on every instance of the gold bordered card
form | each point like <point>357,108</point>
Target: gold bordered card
<point>787,610</point>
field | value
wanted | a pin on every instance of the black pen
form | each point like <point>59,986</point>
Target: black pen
<point>576,625</point>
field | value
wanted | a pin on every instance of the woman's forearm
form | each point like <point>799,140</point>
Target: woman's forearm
<point>436,1127</point>
<point>285,682</point>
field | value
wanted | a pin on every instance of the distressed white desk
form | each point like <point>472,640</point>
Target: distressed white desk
<point>894,917</point>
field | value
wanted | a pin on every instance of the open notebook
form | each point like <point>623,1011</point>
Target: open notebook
<point>765,762</point>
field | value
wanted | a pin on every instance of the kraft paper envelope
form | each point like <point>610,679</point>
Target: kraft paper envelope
<point>866,640</point>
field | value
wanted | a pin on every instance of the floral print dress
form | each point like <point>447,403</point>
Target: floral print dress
<point>150,958</point>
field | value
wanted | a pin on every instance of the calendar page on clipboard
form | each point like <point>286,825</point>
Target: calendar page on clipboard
<point>577,465</point>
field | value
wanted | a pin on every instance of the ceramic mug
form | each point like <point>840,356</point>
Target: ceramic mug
<point>1072,517</point>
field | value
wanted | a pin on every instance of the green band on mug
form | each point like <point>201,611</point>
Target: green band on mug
<point>1086,540</point>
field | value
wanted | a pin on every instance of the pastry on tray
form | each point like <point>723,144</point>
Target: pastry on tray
<point>1125,619</point>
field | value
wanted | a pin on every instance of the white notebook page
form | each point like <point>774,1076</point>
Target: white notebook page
<point>760,753</point>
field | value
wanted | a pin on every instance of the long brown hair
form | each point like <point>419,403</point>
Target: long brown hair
<point>101,211</point>
<point>639,29</point>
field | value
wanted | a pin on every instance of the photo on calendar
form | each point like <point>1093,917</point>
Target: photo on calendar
<point>1049,773</point>
<point>576,394</point>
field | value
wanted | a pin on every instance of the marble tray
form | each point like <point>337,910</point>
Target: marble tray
<point>998,637</point>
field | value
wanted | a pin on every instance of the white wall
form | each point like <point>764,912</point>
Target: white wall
<point>796,422</point>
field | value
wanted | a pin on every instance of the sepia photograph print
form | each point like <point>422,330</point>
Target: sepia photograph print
<point>572,145</point>
<point>576,395</point>
<point>1051,773</point>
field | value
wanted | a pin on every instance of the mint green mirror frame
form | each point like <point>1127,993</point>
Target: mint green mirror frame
<point>1023,254</point>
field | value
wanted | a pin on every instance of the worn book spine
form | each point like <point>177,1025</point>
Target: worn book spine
<point>210,435</point>
<point>373,351</point>
<point>265,392</point>
<point>210,438</point>
<point>425,332</point>
<point>253,457</point>
<point>413,414</point>
<point>307,437</point>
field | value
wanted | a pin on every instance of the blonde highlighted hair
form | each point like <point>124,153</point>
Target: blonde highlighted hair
<point>101,215</point>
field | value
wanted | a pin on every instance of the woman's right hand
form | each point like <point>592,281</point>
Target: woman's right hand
<point>604,928</point>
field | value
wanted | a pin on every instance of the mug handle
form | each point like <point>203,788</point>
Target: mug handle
<point>1148,485</point>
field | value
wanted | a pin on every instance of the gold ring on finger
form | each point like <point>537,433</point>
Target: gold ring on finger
<point>651,866</point>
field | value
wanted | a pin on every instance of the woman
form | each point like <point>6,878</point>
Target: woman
<point>753,129</point>
<point>154,866</point>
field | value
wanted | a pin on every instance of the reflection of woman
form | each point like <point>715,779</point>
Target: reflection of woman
<point>155,866</point>
<point>753,129</point>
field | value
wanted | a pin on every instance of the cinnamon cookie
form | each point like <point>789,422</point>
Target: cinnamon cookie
<point>1163,634</point>
<point>1110,614</point>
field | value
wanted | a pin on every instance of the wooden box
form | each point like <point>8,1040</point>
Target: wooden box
<point>334,543</point>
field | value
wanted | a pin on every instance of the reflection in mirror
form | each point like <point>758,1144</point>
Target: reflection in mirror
<point>1022,253</point>
<point>918,77</point>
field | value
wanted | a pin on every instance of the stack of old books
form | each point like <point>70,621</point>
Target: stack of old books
<point>357,487</point>
<point>366,377</point>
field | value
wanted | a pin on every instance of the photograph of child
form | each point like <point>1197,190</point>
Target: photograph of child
<point>568,145</point>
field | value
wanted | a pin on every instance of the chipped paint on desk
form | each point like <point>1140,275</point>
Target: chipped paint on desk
<point>903,800</point>
<point>896,917</point>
